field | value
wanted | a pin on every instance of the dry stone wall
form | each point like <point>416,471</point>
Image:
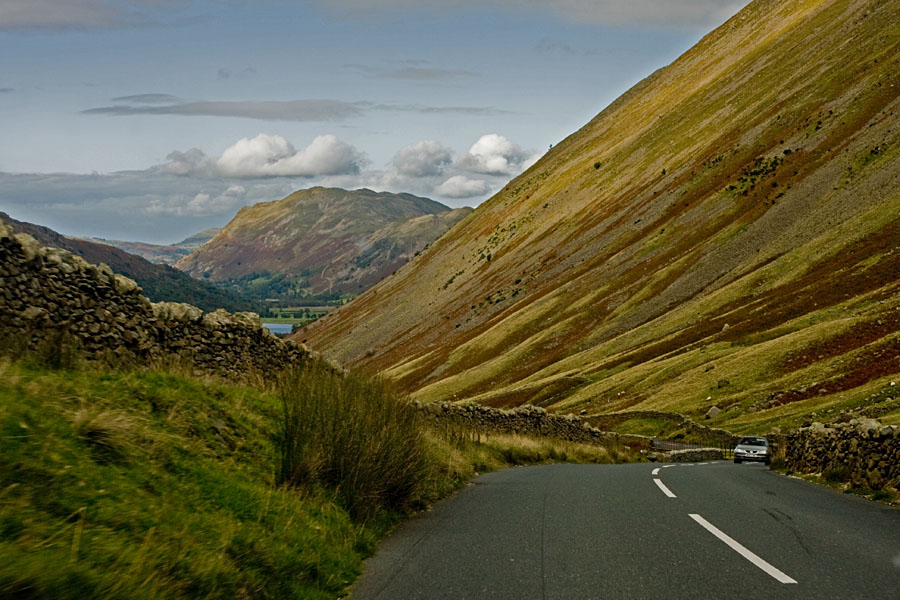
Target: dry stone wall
<point>862,451</point>
<point>50,296</point>
<point>527,420</point>
<point>690,455</point>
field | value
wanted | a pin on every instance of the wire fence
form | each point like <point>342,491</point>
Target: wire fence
<point>726,446</point>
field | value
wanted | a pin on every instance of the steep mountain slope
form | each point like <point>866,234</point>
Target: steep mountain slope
<point>159,282</point>
<point>726,233</point>
<point>163,254</point>
<point>321,240</point>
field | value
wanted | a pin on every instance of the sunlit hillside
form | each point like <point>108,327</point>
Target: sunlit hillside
<point>726,233</point>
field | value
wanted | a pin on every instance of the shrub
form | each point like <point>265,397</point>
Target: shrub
<point>837,473</point>
<point>882,495</point>
<point>351,435</point>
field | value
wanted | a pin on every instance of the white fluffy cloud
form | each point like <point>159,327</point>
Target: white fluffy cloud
<point>191,190</point>
<point>269,156</point>
<point>272,155</point>
<point>460,186</point>
<point>193,162</point>
<point>493,154</point>
<point>422,159</point>
<point>202,204</point>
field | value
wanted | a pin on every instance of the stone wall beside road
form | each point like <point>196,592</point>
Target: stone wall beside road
<point>529,420</point>
<point>863,452</point>
<point>50,297</point>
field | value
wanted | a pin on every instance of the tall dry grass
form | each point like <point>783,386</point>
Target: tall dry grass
<point>354,436</point>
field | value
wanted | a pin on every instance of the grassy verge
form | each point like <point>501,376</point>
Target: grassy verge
<point>147,484</point>
<point>493,452</point>
<point>834,481</point>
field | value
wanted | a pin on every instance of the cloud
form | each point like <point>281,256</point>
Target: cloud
<point>272,155</point>
<point>460,186</point>
<point>193,162</point>
<point>429,110</point>
<point>271,110</point>
<point>549,46</point>
<point>244,73</point>
<point>77,14</point>
<point>633,13</point>
<point>107,14</point>
<point>268,156</point>
<point>493,154</point>
<point>191,190</point>
<point>414,71</point>
<point>7,90</point>
<point>149,205</point>
<point>291,110</point>
<point>147,99</point>
<point>202,204</point>
<point>422,159</point>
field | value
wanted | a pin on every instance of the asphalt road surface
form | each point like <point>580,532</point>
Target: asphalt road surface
<point>704,531</point>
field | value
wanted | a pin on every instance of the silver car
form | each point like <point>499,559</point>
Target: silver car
<point>752,448</point>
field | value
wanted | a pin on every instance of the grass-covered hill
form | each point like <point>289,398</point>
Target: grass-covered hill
<point>160,283</point>
<point>320,241</point>
<point>724,234</point>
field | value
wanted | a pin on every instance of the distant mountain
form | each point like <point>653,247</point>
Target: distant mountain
<point>159,282</point>
<point>320,241</point>
<point>726,233</point>
<point>163,254</point>
<point>198,239</point>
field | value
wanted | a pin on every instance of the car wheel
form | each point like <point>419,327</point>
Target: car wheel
<point>737,461</point>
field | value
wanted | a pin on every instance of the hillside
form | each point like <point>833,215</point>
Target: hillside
<point>724,234</point>
<point>160,283</point>
<point>321,240</point>
<point>163,254</point>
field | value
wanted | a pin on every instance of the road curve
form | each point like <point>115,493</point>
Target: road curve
<point>570,532</point>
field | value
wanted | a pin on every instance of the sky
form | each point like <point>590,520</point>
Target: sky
<point>150,120</point>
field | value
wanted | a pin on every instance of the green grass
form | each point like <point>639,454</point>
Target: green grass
<point>147,484</point>
<point>647,426</point>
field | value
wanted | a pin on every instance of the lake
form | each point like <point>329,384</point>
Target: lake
<point>280,328</point>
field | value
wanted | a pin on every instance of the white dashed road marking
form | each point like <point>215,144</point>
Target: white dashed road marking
<point>737,547</point>
<point>656,471</point>
<point>664,489</point>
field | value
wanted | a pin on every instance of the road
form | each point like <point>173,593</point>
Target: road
<point>708,530</point>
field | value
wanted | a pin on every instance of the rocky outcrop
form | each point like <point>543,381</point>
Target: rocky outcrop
<point>527,420</point>
<point>51,296</point>
<point>862,452</point>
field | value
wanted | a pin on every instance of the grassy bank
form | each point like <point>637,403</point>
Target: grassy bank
<point>147,484</point>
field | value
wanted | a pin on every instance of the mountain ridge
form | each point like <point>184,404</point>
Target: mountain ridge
<point>322,240</point>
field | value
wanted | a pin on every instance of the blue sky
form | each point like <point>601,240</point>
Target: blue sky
<point>152,119</point>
